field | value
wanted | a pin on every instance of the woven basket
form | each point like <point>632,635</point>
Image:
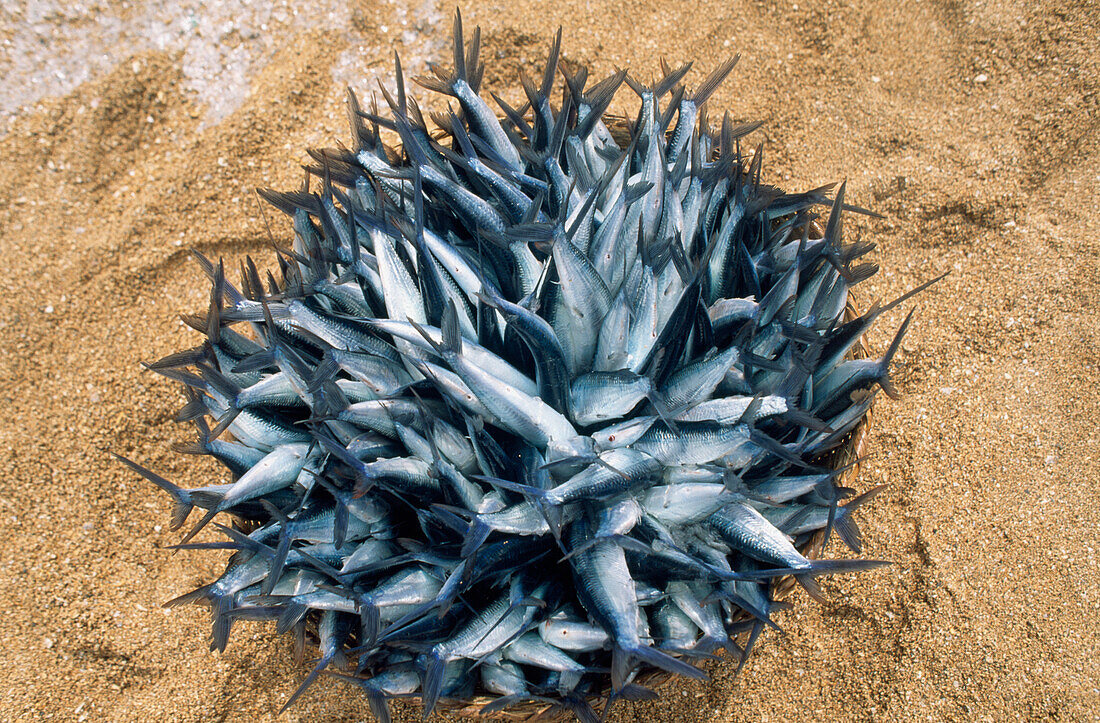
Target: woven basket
<point>845,454</point>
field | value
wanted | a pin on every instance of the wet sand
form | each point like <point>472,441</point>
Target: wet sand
<point>974,127</point>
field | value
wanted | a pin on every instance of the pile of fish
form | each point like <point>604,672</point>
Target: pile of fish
<point>525,410</point>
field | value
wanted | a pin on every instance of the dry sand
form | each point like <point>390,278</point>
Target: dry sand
<point>973,126</point>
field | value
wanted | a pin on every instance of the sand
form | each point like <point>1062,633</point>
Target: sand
<point>974,127</point>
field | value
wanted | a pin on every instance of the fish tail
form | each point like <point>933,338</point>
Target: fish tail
<point>885,382</point>
<point>857,274</point>
<point>231,294</point>
<point>188,448</point>
<point>290,202</point>
<point>671,80</point>
<point>580,707</point>
<point>188,357</point>
<point>253,285</point>
<point>194,409</point>
<point>732,648</point>
<point>857,249</point>
<point>279,561</point>
<point>432,684</point>
<point>355,119</point>
<point>715,79</point>
<point>300,641</point>
<point>759,362</point>
<point>219,383</point>
<point>321,665</point>
<point>674,104</point>
<point>444,82</point>
<point>551,70</point>
<point>662,660</point>
<point>910,294</point>
<point>203,442</point>
<point>475,537</point>
<point>635,86</point>
<point>809,584</point>
<point>255,362</point>
<point>754,634</point>
<point>178,374</point>
<point>181,498</point>
<point>402,102</point>
<point>369,621</point>
<point>857,502</point>
<point>190,597</point>
<point>845,525</point>
<point>804,419</point>
<point>325,371</point>
<point>832,567</point>
<point>624,541</point>
<point>223,423</point>
<point>621,665</point>
<point>254,613</point>
<point>599,97</point>
<point>291,616</point>
<point>446,515</point>
<point>503,702</point>
<point>636,692</point>
<point>529,88</point>
<point>379,707</point>
<point>340,659</point>
<point>760,614</point>
<point>338,450</point>
<point>775,448</point>
<point>214,316</point>
<point>848,531</point>
<point>221,622</point>
<point>201,524</point>
<point>474,69</point>
<point>661,406</point>
<point>333,397</point>
<point>439,348</point>
<point>637,190</point>
<point>341,517</point>
<point>459,48</point>
<point>535,493</point>
<point>575,85</point>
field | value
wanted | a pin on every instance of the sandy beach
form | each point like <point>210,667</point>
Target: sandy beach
<point>135,132</point>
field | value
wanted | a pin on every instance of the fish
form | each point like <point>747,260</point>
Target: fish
<point>606,590</point>
<point>526,407</point>
<point>497,624</point>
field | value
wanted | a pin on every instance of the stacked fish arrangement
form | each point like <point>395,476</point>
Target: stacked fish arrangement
<point>524,411</point>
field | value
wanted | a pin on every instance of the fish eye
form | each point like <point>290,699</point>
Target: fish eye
<point>611,438</point>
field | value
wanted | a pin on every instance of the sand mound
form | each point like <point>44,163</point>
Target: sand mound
<point>972,126</point>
